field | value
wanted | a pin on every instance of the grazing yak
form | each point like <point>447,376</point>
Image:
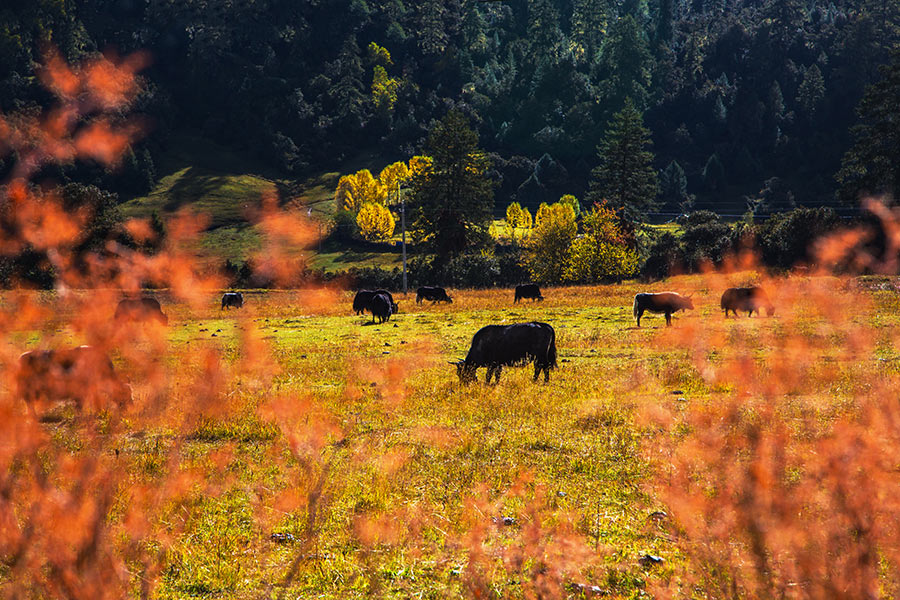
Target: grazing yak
<point>746,298</point>
<point>235,299</point>
<point>433,293</point>
<point>141,309</point>
<point>497,346</point>
<point>84,374</point>
<point>528,290</point>
<point>363,299</point>
<point>382,306</point>
<point>662,302</point>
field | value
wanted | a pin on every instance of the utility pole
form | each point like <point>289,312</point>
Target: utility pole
<point>403,228</point>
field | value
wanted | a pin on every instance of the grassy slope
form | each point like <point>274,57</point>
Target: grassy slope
<point>215,181</point>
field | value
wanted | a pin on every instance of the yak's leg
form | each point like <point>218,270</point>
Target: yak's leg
<point>668,319</point>
<point>490,373</point>
<point>497,374</point>
<point>639,315</point>
<point>537,371</point>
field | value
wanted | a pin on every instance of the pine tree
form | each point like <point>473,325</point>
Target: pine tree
<point>452,198</point>
<point>811,91</point>
<point>544,33</point>
<point>625,65</point>
<point>588,25</point>
<point>673,186</point>
<point>625,178</point>
<point>872,165</point>
<point>665,28</point>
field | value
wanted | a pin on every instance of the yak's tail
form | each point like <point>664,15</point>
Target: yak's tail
<point>551,351</point>
<point>634,309</point>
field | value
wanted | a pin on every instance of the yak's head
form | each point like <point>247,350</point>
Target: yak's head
<point>770,310</point>
<point>465,372</point>
<point>687,303</point>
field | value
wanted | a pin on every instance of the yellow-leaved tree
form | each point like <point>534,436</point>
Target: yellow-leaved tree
<point>357,189</point>
<point>375,222</point>
<point>547,253</point>
<point>601,254</point>
<point>384,90</point>
<point>573,202</point>
<point>517,218</point>
<point>542,211</point>
<point>391,175</point>
<point>419,166</point>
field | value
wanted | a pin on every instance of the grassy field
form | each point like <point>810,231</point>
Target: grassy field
<point>319,455</point>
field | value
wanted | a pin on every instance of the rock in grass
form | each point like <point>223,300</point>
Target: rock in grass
<point>587,590</point>
<point>507,521</point>
<point>676,392</point>
<point>282,538</point>
<point>658,515</point>
<point>650,560</point>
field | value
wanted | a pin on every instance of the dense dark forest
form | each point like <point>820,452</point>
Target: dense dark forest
<point>750,103</point>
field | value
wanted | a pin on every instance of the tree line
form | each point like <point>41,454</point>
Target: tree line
<point>750,103</point>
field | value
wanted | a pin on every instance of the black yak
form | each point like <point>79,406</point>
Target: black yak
<point>84,374</point>
<point>381,306</point>
<point>363,299</point>
<point>141,309</point>
<point>528,290</point>
<point>497,346</point>
<point>746,298</point>
<point>235,299</point>
<point>433,293</point>
<point>662,302</point>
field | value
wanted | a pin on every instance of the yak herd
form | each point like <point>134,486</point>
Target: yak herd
<point>86,374</point>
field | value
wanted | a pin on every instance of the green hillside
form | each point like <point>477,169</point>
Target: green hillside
<point>226,186</point>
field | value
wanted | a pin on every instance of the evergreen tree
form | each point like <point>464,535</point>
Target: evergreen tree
<point>544,33</point>
<point>625,178</point>
<point>811,91</point>
<point>625,65</point>
<point>673,186</point>
<point>872,165</point>
<point>714,174</point>
<point>452,198</point>
<point>588,24</point>
<point>665,28</point>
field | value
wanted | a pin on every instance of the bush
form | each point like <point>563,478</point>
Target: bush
<point>344,227</point>
<point>663,256</point>
<point>473,270</point>
<point>786,238</point>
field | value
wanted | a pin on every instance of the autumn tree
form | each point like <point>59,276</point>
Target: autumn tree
<point>548,246</point>
<point>357,189</point>
<point>452,197</point>
<point>625,178</point>
<point>392,175</point>
<point>573,202</point>
<point>375,222</point>
<point>601,253</point>
<point>517,217</point>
